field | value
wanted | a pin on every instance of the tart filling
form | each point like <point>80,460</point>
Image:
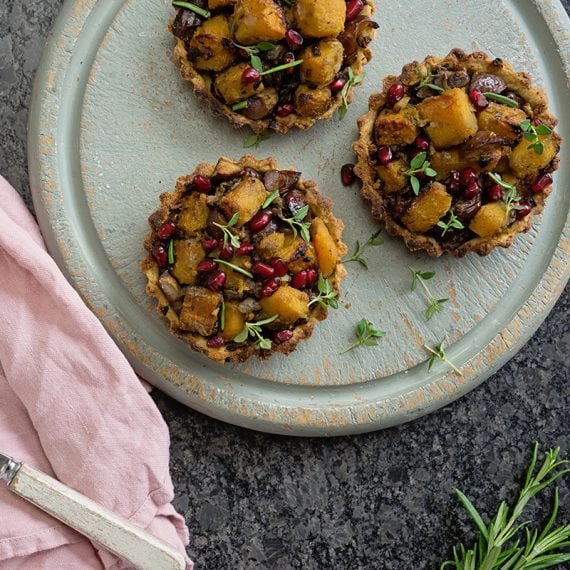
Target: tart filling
<point>244,258</point>
<point>457,154</point>
<point>274,63</point>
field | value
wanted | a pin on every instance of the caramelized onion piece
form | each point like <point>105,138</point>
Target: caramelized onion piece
<point>356,34</point>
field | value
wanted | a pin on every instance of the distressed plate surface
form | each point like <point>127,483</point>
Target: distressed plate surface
<point>112,126</point>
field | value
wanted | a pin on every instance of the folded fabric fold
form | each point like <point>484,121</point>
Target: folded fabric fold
<point>72,406</point>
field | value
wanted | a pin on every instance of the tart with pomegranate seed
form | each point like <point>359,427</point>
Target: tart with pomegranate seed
<point>244,258</point>
<point>273,63</point>
<point>457,154</point>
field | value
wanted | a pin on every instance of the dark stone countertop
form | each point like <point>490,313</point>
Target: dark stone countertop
<point>382,500</point>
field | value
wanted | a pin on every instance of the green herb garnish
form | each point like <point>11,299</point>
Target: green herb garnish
<point>351,81</point>
<point>510,197</point>
<point>281,67</point>
<point>359,249</point>
<point>235,267</point>
<point>189,6</point>
<point>419,164</point>
<point>223,316</point>
<point>426,80</point>
<point>327,296</point>
<point>438,353</point>
<point>365,335</point>
<point>296,223</point>
<point>254,51</point>
<point>273,196</point>
<point>254,330</point>
<point>501,544</point>
<point>453,222</point>
<point>435,305</point>
<point>532,132</point>
<point>228,235</point>
<point>239,106</point>
<point>171,252</point>
<point>254,140</point>
<point>501,99</point>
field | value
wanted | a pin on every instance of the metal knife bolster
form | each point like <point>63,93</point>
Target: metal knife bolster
<point>8,468</point>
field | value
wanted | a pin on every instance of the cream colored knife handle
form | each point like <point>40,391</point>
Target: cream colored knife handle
<point>112,532</point>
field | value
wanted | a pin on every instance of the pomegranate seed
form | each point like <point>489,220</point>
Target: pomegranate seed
<point>227,251</point>
<point>166,230</point>
<point>299,280</point>
<point>395,93</point>
<point>259,221</point>
<point>288,58</point>
<point>524,211</point>
<point>472,189</point>
<point>478,99</point>
<point>270,286</point>
<point>244,248</point>
<point>422,143</point>
<point>285,109</point>
<point>216,281</point>
<point>279,267</point>
<point>311,277</point>
<point>263,270</point>
<point>384,155</point>
<point>294,39</point>
<point>207,266</point>
<point>353,8</point>
<point>467,176</point>
<point>160,255</point>
<point>495,193</point>
<point>210,244</point>
<point>536,122</point>
<point>282,336</point>
<point>541,183</point>
<point>338,84</point>
<point>453,184</point>
<point>216,342</point>
<point>347,174</point>
<point>202,184</point>
<point>250,75</point>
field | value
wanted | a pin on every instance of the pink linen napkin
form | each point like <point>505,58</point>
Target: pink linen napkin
<point>70,405</point>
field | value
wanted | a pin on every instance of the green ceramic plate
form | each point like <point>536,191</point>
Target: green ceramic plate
<point>112,126</point>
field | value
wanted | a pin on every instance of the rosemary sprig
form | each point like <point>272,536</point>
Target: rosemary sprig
<point>254,140</point>
<point>359,249</point>
<point>235,267</point>
<point>297,225</point>
<point>269,200</point>
<point>281,67</point>
<point>239,106</point>
<point>189,6</point>
<point>255,331</point>
<point>171,252</point>
<point>501,544</point>
<point>419,164</point>
<point>510,197</point>
<point>438,353</point>
<point>501,99</point>
<point>532,132</point>
<point>426,80</point>
<point>254,51</point>
<point>351,81</point>
<point>223,316</point>
<point>453,222</point>
<point>228,235</point>
<point>327,295</point>
<point>435,305</point>
<point>365,335</point>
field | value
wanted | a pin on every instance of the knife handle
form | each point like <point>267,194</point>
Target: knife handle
<point>113,532</point>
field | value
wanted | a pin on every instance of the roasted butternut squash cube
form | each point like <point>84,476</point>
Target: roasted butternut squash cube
<point>526,161</point>
<point>490,219</point>
<point>444,161</point>
<point>237,282</point>
<point>208,46</point>
<point>245,198</point>
<point>320,18</point>
<point>392,176</point>
<point>303,259</point>
<point>321,62</point>
<point>258,20</point>
<point>396,128</point>
<point>194,214</point>
<point>287,303</point>
<point>270,246</point>
<point>502,120</point>
<point>427,209</point>
<point>231,88</point>
<point>216,4</point>
<point>451,118</point>
<point>312,102</point>
<point>325,246</point>
<point>187,255</point>
<point>233,320</point>
<point>200,310</point>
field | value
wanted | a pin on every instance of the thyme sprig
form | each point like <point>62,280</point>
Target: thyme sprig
<point>297,225</point>
<point>254,51</point>
<point>171,252</point>
<point>435,305</point>
<point>235,267</point>
<point>269,200</point>
<point>254,140</point>
<point>228,235</point>
<point>351,81</point>
<point>365,335</point>
<point>255,331</point>
<point>510,196</point>
<point>327,296</point>
<point>426,80</point>
<point>453,222</point>
<point>501,544</point>
<point>438,353</point>
<point>532,133</point>
<point>419,164</point>
<point>189,6</point>
<point>501,99</point>
<point>281,67</point>
<point>223,316</point>
<point>359,249</point>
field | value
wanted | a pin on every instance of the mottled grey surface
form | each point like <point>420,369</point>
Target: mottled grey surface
<point>382,500</point>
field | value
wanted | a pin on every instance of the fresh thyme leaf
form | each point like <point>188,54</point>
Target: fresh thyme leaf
<point>256,63</point>
<point>239,106</point>
<point>419,164</point>
<point>254,51</point>
<point>270,198</point>
<point>282,67</point>
<point>255,331</point>
<point>235,267</point>
<point>365,335</point>
<point>228,235</point>
<point>510,196</point>
<point>223,316</point>
<point>374,239</point>
<point>297,225</point>
<point>418,160</point>
<point>501,99</point>
<point>359,249</point>
<point>453,222</point>
<point>426,80</point>
<point>327,295</point>
<point>265,46</point>
<point>435,305</point>
<point>189,6</point>
<point>438,353</point>
<point>531,133</point>
<point>415,185</point>
<point>254,140</point>
<point>171,252</point>
<point>351,81</point>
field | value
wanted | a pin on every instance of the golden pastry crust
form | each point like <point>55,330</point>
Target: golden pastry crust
<point>320,207</point>
<point>360,32</point>
<point>494,158</point>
